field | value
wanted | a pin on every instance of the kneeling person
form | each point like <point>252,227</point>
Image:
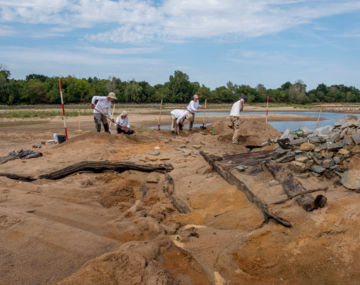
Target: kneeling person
<point>178,118</point>
<point>123,124</point>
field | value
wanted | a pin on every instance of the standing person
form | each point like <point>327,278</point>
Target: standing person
<point>236,108</point>
<point>123,124</point>
<point>178,118</point>
<point>193,107</point>
<point>103,102</point>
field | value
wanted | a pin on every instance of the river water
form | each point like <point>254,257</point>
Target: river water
<point>330,119</point>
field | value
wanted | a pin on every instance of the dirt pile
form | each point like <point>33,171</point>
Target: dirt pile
<point>253,131</point>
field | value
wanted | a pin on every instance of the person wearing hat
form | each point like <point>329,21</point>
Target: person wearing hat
<point>236,108</point>
<point>178,118</point>
<point>123,124</point>
<point>193,107</point>
<point>103,103</point>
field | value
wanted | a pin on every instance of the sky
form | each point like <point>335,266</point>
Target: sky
<point>247,42</point>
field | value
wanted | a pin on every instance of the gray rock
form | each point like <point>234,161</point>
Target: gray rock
<point>298,141</point>
<point>309,163</point>
<point>298,151</point>
<point>202,143</point>
<point>351,123</point>
<point>327,163</point>
<point>347,140</point>
<point>301,158</point>
<point>316,139</point>
<point>335,146</point>
<point>280,150</point>
<point>297,166</point>
<point>183,146</point>
<point>316,158</point>
<point>241,167</point>
<point>317,169</point>
<point>328,155</point>
<point>334,137</point>
<point>356,138</point>
<point>337,159</point>
<point>338,168</point>
<point>196,146</point>
<point>307,131</point>
<point>351,179</point>
<point>289,156</point>
<point>323,131</point>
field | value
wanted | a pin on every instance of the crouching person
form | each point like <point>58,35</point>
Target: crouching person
<point>103,103</point>
<point>123,124</point>
<point>178,118</point>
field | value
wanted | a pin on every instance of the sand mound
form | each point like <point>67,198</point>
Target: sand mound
<point>253,131</point>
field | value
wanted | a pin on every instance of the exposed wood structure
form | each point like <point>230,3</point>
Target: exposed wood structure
<point>18,177</point>
<point>293,188</point>
<point>250,158</point>
<point>232,179</point>
<point>101,166</point>
<point>169,190</point>
<point>299,194</point>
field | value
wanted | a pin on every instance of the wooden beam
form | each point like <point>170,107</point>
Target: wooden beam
<point>101,166</point>
<point>233,180</point>
<point>293,188</point>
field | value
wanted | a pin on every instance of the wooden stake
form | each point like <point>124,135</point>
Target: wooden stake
<point>161,104</point>
<point>318,119</point>
<point>79,122</point>
<point>267,109</point>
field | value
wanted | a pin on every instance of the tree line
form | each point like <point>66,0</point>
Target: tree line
<point>41,89</point>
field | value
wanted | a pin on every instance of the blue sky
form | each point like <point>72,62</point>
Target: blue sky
<point>243,41</point>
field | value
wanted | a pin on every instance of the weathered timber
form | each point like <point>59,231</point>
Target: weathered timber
<point>7,158</point>
<point>293,188</point>
<point>299,194</point>
<point>18,177</point>
<point>232,179</point>
<point>101,166</point>
<point>251,158</point>
<point>169,190</point>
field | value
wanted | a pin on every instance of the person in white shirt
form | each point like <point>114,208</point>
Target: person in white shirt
<point>178,118</point>
<point>123,124</point>
<point>236,108</point>
<point>193,107</point>
<point>103,103</point>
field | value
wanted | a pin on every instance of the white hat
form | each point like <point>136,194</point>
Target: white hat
<point>112,95</point>
<point>124,113</point>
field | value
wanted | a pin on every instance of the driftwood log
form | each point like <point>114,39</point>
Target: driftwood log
<point>18,177</point>
<point>169,190</point>
<point>101,166</point>
<point>293,188</point>
<point>232,179</point>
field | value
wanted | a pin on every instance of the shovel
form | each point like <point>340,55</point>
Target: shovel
<point>203,127</point>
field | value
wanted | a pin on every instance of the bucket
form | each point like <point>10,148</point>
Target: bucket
<point>61,138</point>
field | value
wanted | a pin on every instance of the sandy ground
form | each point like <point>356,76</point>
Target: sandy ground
<point>118,228</point>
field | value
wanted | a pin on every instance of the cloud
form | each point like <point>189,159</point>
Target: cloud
<point>6,31</point>
<point>121,51</point>
<point>138,21</point>
<point>349,35</point>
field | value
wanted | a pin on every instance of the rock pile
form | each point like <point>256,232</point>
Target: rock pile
<point>325,151</point>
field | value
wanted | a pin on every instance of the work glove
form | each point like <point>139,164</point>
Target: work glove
<point>92,106</point>
<point>112,120</point>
